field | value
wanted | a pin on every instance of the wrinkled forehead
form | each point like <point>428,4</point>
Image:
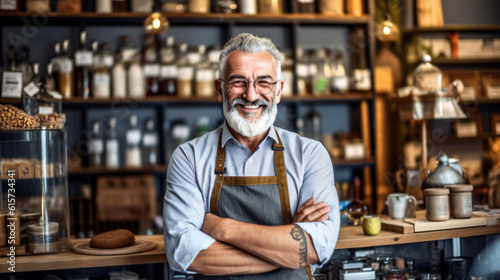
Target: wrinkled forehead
<point>250,65</point>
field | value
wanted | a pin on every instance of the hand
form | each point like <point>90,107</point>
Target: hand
<point>310,212</point>
<point>212,225</point>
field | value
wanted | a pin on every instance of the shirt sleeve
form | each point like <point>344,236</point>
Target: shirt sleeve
<point>183,213</point>
<point>319,183</point>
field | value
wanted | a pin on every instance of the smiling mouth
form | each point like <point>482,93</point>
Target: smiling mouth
<point>250,106</point>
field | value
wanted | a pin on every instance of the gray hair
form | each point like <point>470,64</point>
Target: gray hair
<point>249,43</point>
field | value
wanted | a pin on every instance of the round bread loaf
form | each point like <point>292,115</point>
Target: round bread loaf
<point>113,239</point>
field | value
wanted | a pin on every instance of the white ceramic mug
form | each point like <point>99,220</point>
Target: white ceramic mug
<point>401,205</point>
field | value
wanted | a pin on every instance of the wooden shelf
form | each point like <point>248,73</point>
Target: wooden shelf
<point>349,237</point>
<point>121,170</point>
<point>453,28</point>
<point>452,61</point>
<point>155,100</point>
<point>481,137</point>
<point>128,18</point>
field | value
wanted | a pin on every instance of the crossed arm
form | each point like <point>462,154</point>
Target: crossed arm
<point>244,248</point>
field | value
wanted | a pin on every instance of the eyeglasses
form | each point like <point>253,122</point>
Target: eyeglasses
<point>262,86</point>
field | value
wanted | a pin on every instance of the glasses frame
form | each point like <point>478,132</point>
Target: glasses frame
<point>248,83</point>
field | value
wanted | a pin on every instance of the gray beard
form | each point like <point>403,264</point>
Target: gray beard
<point>244,126</point>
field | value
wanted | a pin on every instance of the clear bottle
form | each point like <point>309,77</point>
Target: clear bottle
<point>127,50</point>
<point>320,83</point>
<point>66,77</point>
<point>83,63</point>
<point>56,65</point>
<point>96,147</point>
<point>151,67</point>
<point>340,80</point>
<point>41,102</point>
<point>112,146</point>
<point>135,78</point>
<point>179,133</point>
<point>427,77</point>
<point>25,66</point>
<point>168,69</point>
<point>150,144</point>
<point>204,75</point>
<point>101,79</point>
<point>301,72</point>
<point>313,126</point>
<point>186,72</point>
<point>133,156</point>
<point>287,73</point>
<point>119,81</point>
<point>49,79</point>
<point>312,67</point>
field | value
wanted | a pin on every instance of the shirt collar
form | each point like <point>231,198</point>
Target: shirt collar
<point>226,134</point>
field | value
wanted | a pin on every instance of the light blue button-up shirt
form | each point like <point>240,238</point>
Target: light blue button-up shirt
<point>191,175</point>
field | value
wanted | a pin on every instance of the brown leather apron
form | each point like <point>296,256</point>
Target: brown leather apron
<point>259,200</point>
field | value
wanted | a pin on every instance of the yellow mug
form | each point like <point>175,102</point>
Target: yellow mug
<point>371,225</point>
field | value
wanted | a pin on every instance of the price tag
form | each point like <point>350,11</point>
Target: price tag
<point>84,58</point>
<point>151,70</point>
<point>66,66</point>
<point>31,89</point>
<point>45,110</point>
<point>12,84</point>
<point>128,55</point>
<point>150,140</point>
<point>168,71</point>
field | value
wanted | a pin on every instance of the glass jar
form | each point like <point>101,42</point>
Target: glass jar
<point>461,201</point>
<point>436,201</point>
<point>34,167</point>
<point>199,6</point>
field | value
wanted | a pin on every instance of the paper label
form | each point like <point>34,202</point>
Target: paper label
<point>150,140</point>
<point>8,5</point>
<point>134,137</point>
<point>186,73</point>
<point>66,66</point>
<point>287,77</point>
<point>102,85</point>
<point>340,83</point>
<point>151,70</point>
<point>55,94</point>
<point>96,146</point>
<point>12,83</point>
<point>180,132</point>
<point>302,70</point>
<point>84,58</point>
<point>45,110</point>
<point>31,89</point>
<point>128,55</point>
<point>56,64</point>
<point>354,151</point>
<point>168,71</point>
<point>112,146</point>
<point>204,75</point>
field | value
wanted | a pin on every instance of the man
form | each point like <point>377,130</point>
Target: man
<point>232,201</point>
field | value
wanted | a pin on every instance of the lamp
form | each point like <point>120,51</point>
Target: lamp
<point>156,23</point>
<point>387,31</point>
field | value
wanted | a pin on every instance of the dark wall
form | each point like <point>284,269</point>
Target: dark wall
<point>471,11</point>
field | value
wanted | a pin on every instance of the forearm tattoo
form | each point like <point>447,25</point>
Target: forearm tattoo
<point>298,234</point>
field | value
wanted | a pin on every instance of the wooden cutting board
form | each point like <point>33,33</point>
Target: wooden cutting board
<point>421,224</point>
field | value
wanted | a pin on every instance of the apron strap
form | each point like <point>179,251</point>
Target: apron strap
<point>279,163</point>
<point>220,169</point>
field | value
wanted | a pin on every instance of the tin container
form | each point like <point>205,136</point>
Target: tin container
<point>437,204</point>
<point>461,201</point>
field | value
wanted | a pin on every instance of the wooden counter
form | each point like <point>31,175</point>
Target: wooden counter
<point>350,237</point>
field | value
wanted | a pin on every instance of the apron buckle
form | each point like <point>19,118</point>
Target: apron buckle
<point>220,172</point>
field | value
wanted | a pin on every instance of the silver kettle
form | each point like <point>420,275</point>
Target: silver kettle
<point>443,175</point>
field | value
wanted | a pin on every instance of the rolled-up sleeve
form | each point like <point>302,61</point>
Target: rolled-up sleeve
<point>319,183</point>
<point>183,213</point>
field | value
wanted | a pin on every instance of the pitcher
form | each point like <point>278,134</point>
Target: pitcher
<point>401,205</point>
